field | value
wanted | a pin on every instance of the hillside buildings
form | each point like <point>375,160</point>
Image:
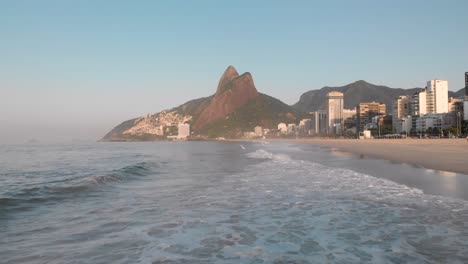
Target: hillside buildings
<point>335,113</point>
<point>367,111</point>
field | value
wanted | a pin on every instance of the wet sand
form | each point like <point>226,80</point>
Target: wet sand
<point>437,154</point>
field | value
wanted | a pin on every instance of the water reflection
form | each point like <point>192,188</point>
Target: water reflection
<point>448,173</point>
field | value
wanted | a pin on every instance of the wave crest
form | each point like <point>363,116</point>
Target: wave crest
<point>263,154</point>
<point>52,192</point>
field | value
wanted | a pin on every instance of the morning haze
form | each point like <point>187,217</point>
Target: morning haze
<point>221,132</point>
<point>72,70</point>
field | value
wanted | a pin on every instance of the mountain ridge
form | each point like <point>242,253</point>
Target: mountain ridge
<point>354,93</point>
<point>233,91</point>
<point>235,107</point>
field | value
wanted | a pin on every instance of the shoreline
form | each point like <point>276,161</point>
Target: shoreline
<point>449,155</point>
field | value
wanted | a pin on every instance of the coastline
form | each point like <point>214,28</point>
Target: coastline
<point>449,155</point>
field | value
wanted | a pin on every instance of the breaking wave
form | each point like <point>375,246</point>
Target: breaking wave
<point>283,210</point>
<point>53,191</point>
<point>263,154</point>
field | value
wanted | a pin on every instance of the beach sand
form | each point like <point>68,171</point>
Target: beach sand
<point>437,154</point>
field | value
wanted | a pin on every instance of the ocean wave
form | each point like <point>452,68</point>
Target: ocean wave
<point>55,191</point>
<point>263,154</point>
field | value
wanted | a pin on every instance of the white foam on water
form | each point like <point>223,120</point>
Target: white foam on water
<point>263,154</point>
<point>291,211</point>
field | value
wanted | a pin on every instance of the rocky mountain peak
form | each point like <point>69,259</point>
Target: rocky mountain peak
<point>233,91</point>
<point>228,76</point>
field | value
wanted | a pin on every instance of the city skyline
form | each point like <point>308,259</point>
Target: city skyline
<point>74,70</point>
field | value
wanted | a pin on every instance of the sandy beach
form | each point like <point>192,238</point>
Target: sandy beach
<point>437,154</point>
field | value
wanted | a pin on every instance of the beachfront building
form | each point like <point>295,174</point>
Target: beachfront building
<point>465,99</point>
<point>183,131</point>
<point>305,123</point>
<point>366,111</point>
<point>465,109</point>
<point>455,104</point>
<point>318,122</point>
<point>258,131</point>
<point>437,96</point>
<point>466,84</point>
<point>418,103</point>
<point>350,121</point>
<point>334,109</point>
<point>305,127</point>
<point>403,124</point>
<point>291,128</point>
<point>400,111</point>
<point>431,100</point>
<point>433,121</point>
<point>282,128</point>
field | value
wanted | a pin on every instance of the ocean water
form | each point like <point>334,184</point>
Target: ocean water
<point>222,202</point>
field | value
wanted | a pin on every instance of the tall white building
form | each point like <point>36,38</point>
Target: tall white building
<point>437,96</point>
<point>183,131</point>
<point>418,104</point>
<point>335,106</point>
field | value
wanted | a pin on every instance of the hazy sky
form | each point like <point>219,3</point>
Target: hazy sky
<point>75,69</point>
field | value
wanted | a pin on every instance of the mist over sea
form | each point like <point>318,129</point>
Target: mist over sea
<point>224,202</point>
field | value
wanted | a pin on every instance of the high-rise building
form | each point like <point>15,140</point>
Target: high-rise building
<point>455,104</point>
<point>400,110</point>
<point>437,96</point>
<point>418,104</point>
<point>400,107</point>
<point>318,122</point>
<point>335,113</point>
<point>465,109</point>
<point>466,83</point>
<point>366,111</point>
<point>465,101</point>
<point>349,117</point>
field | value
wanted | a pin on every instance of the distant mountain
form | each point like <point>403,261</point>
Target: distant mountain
<point>236,107</point>
<point>459,93</point>
<point>264,110</point>
<point>233,91</point>
<point>354,93</point>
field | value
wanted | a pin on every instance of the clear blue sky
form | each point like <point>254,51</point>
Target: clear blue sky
<point>75,69</point>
